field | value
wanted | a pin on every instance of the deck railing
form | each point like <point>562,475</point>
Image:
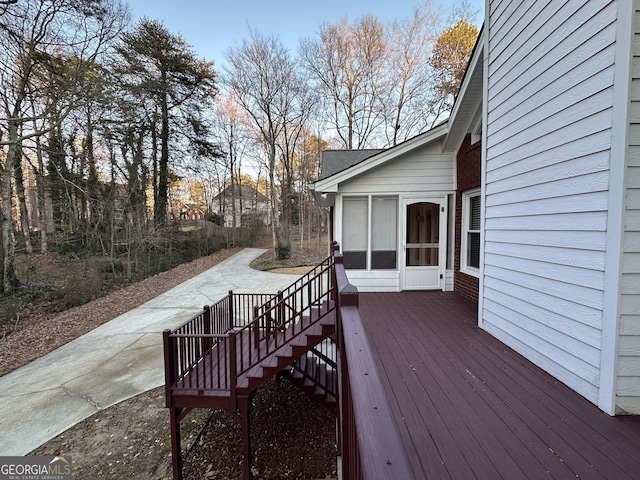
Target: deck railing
<point>370,443</point>
<point>323,369</point>
<point>189,343</point>
<point>243,329</point>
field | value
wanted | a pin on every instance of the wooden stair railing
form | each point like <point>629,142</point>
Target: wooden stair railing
<point>220,356</point>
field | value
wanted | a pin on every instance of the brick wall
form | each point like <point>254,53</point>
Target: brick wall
<point>468,177</point>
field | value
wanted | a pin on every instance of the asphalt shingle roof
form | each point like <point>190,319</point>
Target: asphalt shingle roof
<point>334,161</point>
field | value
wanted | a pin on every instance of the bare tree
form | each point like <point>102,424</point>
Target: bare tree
<point>263,78</point>
<point>309,156</point>
<point>58,38</point>
<point>410,77</point>
<point>232,133</point>
<point>296,106</point>
<point>347,63</point>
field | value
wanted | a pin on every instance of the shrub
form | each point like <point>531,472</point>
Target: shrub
<point>283,251</point>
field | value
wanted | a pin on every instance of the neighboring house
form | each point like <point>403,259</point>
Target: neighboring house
<point>250,205</point>
<point>185,211</point>
<point>528,197</point>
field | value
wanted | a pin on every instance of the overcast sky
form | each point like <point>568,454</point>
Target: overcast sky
<point>212,26</point>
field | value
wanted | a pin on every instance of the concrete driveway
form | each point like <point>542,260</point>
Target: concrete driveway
<point>116,361</point>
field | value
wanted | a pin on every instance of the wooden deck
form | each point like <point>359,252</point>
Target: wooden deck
<point>468,407</point>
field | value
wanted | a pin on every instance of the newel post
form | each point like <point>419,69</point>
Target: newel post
<point>231,312</point>
<point>347,293</point>
<point>336,258</point>
<point>233,369</point>
<point>169,373</point>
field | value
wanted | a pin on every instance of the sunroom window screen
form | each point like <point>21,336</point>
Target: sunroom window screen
<point>384,233</point>
<point>354,232</point>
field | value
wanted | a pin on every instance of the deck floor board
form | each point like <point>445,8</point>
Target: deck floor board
<point>467,406</point>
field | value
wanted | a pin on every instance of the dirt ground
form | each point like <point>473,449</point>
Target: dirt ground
<point>131,439</point>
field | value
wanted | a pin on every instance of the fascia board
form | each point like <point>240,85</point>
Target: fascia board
<point>463,95</point>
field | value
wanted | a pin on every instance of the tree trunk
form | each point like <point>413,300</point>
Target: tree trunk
<point>154,158</point>
<point>233,185</point>
<point>93,186</point>
<point>275,218</point>
<point>9,277</point>
<point>40,189</point>
<point>160,213</point>
<point>22,201</point>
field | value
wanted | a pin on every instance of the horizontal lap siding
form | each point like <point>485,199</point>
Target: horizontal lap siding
<point>628,366</point>
<point>549,115</point>
<point>417,172</point>
<point>375,281</point>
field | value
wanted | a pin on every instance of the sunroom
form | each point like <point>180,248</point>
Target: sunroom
<point>392,213</point>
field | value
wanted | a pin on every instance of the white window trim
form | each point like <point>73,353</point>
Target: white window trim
<point>473,271</point>
<point>367,234</point>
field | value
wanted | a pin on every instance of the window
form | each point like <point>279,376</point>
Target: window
<point>470,252</point>
<point>369,242</point>
<point>384,233</point>
<point>354,232</point>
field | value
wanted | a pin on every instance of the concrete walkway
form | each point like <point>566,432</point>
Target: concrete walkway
<point>116,361</point>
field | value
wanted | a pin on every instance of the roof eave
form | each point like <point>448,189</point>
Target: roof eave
<point>469,98</point>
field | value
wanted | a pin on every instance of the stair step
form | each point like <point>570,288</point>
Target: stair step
<point>284,352</point>
<point>299,341</point>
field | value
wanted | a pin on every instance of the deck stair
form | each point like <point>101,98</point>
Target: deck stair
<point>315,374</point>
<point>287,348</point>
<point>220,357</point>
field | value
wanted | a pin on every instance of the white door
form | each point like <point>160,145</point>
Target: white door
<point>425,232</point>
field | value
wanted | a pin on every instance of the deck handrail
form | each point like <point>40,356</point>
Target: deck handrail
<point>371,446</point>
<point>370,443</point>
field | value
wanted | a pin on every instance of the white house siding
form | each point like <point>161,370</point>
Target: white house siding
<point>628,365</point>
<point>548,124</point>
<point>423,171</point>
